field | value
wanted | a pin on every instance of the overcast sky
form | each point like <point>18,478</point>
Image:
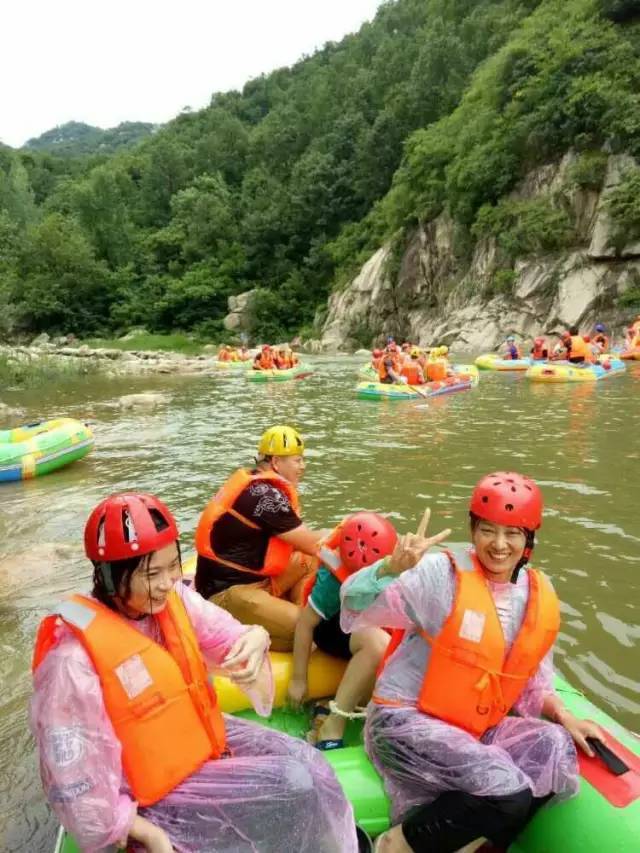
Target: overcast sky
<point>107,61</point>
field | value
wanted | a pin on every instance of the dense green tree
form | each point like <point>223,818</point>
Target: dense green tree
<point>60,284</point>
<point>288,185</point>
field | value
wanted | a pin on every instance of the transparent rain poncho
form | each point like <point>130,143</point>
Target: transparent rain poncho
<point>420,757</point>
<point>274,794</point>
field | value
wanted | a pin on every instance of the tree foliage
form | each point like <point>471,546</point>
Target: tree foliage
<point>288,185</point>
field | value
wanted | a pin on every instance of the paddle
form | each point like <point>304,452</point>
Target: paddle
<point>418,391</point>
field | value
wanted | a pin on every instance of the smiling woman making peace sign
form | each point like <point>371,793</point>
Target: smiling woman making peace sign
<point>479,627</point>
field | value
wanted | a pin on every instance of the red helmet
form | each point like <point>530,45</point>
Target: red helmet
<point>539,341</point>
<point>565,336</point>
<point>265,347</point>
<point>376,353</point>
<point>123,526</point>
<point>364,538</point>
<point>508,498</point>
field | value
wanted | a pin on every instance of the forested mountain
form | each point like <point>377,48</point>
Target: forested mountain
<point>289,184</point>
<point>76,138</point>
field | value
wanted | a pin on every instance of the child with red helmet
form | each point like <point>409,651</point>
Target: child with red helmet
<point>360,540</point>
<point>133,745</point>
<point>479,629</point>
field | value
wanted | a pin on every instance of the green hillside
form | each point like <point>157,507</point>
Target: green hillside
<point>288,185</point>
<point>75,138</point>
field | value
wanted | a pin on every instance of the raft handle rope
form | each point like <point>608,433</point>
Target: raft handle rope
<point>358,714</point>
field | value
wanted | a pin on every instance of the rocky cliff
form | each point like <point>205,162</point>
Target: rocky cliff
<point>429,294</point>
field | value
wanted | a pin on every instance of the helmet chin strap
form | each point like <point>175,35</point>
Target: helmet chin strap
<point>107,577</point>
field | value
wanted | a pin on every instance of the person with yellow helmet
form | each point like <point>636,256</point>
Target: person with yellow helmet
<point>411,369</point>
<point>255,554</point>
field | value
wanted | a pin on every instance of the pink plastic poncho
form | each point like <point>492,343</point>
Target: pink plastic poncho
<point>274,794</point>
<point>420,757</point>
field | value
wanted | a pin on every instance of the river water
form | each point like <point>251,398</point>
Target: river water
<point>581,443</point>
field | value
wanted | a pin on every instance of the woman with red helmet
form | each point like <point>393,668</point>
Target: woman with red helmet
<point>133,745</point>
<point>361,539</point>
<point>539,350</point>
<point>479,626</point>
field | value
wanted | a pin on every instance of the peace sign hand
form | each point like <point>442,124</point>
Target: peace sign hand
<point>410,548</point>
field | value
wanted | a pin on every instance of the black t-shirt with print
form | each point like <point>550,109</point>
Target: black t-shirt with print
<point>265,505</point>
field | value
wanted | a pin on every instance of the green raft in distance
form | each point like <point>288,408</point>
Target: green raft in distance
<point>277,375</point>
<point>604,816</point>
<point>40,448</point>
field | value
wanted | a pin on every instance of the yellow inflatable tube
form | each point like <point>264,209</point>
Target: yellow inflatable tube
<point>324,676</point>
<point>324,673</point>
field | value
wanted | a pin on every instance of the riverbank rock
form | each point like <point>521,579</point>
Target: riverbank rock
<point>437,295</point>
<point>239,308</point>
<point>40,340</point>
<point>149,400</point>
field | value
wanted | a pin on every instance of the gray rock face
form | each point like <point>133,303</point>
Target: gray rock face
<point>239,306</point>
<point>602,246</point>
<point>437,299</point>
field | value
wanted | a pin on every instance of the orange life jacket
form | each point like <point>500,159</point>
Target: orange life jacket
<point>160,701</point>
<point>436,370</point>
<point>224,355</point>
<point>539,353</point>
<point>470,681</point>
<point>278,551</point>
<point>579,348</point>
<point>265,362</point>
<point>411,370</point>
<point>396,364</point>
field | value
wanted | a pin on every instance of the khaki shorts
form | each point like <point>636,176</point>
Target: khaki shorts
<point>273,603</point>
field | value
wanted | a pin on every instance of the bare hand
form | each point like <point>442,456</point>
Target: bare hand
<point>153,838</point>
<point>159,842</point>
<point>410,548</point>
<point>297,692</point>
<point>580,730</point>
<point>245,659</point>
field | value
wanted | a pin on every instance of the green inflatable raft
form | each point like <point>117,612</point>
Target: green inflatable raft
<point>605,816</point>
<point>297,372</point>
<point>37,449</point>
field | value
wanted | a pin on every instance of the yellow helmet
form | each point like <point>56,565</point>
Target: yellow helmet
<point>281,441</point>
<point>415,352</point>
<point>444,350</point>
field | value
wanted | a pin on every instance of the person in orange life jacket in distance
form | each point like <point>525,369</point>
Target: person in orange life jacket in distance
<point>360,540</point>
<point>539,350</point>
<point>479,627</point>
<point>577,349</point>
<point>600,338</point>
<point>133,745</point>
<point>411,369</point>
<point>389,366</point>
<point>255,554</point>
<point>264,359</point>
